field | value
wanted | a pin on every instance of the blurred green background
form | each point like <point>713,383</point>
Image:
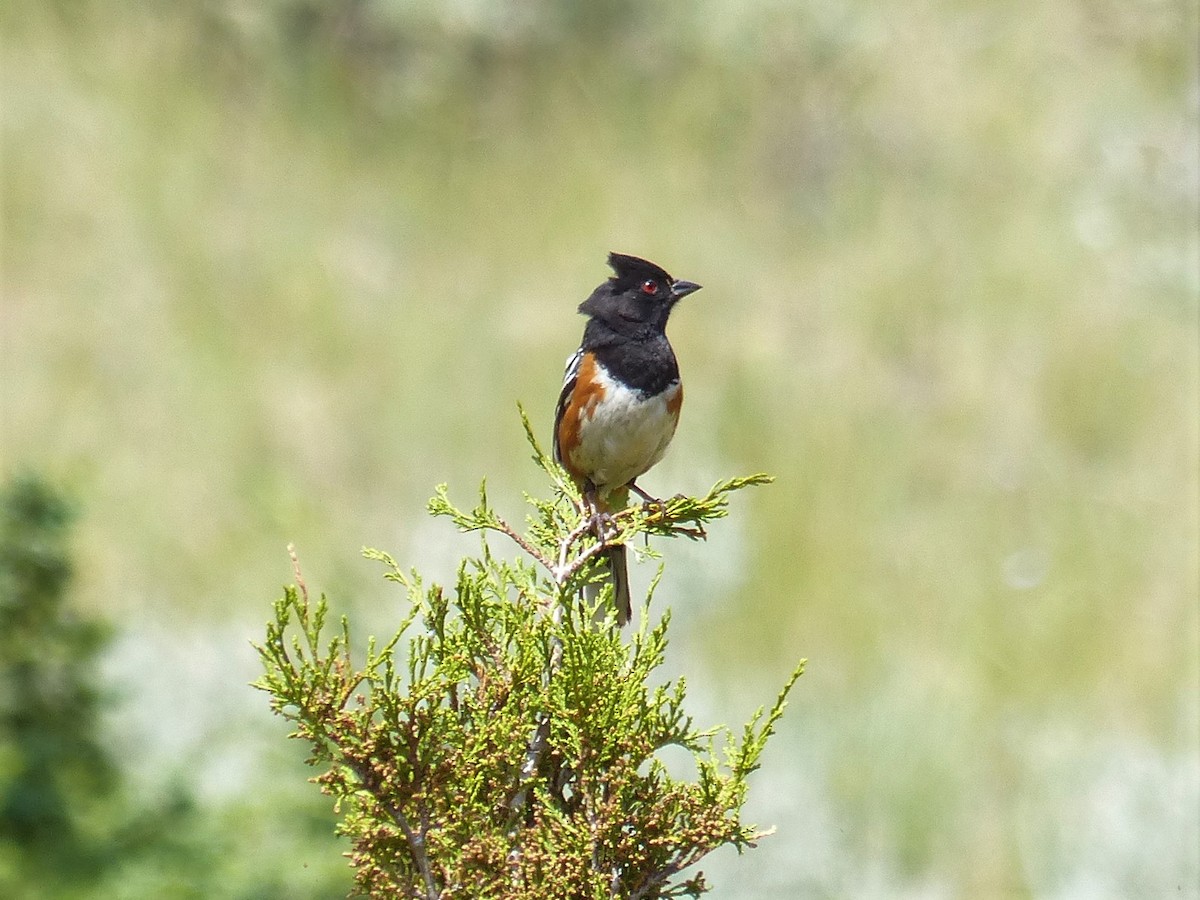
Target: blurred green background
<point>272,270</point>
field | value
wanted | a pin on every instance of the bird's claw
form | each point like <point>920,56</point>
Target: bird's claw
<point>600,520</point>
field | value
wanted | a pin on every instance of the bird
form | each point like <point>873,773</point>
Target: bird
<point>621,395</point>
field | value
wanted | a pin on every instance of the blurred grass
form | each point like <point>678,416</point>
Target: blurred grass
<point>270,272</point>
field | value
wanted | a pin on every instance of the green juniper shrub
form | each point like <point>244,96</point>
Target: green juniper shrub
<point>511,750</point>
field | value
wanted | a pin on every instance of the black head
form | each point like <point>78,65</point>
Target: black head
<point>638,298</point>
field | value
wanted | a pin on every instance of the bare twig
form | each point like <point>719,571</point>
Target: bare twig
<point>565,546</point>
<point>657,879</point>
<point>507,529</point>
<point>541,733</point>
<point>291,548</point>
<point>561,574</point>
<point>415,838</point>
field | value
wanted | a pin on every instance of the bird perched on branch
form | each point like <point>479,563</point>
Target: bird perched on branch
<point>621,395</point>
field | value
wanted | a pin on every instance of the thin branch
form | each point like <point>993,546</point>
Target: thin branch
<point>415,838</point>
<point>658,515</point>
<point>565,547</point>
<point>507,529</point>
<point>658,878</point>
<point>561,574</point>
<point>541,734</point>
<point>291,549</point>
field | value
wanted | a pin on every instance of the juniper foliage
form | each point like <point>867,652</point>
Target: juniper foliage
<point>510,750</point>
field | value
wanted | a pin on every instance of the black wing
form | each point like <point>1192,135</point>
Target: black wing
<point>564,397</point>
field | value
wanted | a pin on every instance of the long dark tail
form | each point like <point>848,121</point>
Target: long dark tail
<point>620,579</point>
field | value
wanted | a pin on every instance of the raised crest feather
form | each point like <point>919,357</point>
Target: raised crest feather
<point>632,268</point>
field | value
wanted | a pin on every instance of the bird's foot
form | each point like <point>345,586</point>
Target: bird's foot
<point>647,499</point>
<point>600,520</point>
<point>653,505</point>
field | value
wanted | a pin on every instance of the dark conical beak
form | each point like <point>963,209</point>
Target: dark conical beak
<point>681,288</point>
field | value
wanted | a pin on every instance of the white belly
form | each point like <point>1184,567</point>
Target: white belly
<point>625,435</point>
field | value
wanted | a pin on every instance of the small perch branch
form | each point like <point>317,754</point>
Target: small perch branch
<point>415,838</point>
<point>541,734</point>
<point>504,528</point>
<point>291,549</point>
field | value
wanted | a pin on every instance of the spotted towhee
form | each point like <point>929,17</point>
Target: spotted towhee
<point>621,394</point>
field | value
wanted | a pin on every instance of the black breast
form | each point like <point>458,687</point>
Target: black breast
<point>647,366</point>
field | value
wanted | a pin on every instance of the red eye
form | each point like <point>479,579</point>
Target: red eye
<point>649,286</point>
